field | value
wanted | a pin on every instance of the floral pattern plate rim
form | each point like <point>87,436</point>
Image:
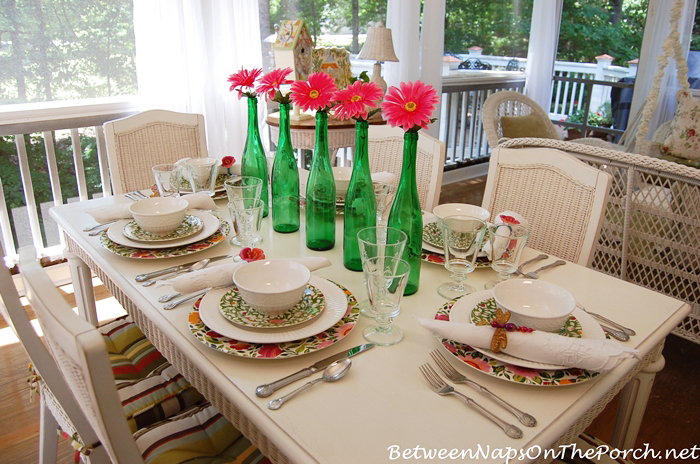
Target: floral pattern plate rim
<point>333,312</point>
<point>190,225</point>
<point>509,372</point>
<point>300,347</point>
<point>439,258</point>
<point>211,225</point>
<point>186,187</point>
<point>432,235</point>
<point>236,310</point>
<point>140,253</point>
<point>473,307</point>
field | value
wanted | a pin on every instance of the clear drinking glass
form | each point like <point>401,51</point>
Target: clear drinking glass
<point>202,174</point>
<point>384,193</point>
<point>243,188</point>
<point>167,179</point>
<point>247,217</point>
<point>507,244</point>
<point>462,238</point>
<point>379,242</point>
<point>386,279</point>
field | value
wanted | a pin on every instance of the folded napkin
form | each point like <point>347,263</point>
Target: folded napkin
<point>218,276</point>
<point>384,176</point>
<point>538,346</point>
<point>121,210</point>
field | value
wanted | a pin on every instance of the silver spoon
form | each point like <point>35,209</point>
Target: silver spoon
<point>97,226</point>
<point>195,267</point>
<point>332,373</point>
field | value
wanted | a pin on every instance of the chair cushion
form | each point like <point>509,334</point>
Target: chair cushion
<point>683,140</point>
<point>149,387</point>
<point>524,126</point>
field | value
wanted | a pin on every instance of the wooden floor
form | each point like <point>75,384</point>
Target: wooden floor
<point>670,421</point>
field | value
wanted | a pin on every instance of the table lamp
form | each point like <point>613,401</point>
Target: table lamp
<point>378,46</point>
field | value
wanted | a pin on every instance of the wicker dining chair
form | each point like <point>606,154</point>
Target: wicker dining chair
<point>562,198</point>
<point>140,408</point>
<point>137,143</point>
<point>58,407</point>
<point>386,154</point>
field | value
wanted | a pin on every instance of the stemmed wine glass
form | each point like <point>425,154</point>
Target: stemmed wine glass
<point>386,279</point>
<point>384,194</point>
<point>462,237</point>
<point>507,244</point>
<point>382,242</point>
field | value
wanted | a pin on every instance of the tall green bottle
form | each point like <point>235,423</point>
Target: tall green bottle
<point>360,203</point>
<point>285,180</point>
<point>254,162</point>
<point>406,213</point>
<point>320,192</point>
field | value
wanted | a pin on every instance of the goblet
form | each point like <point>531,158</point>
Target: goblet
<point>246,216</point>
<point>507,244</point>
<point>242,188</point>
<point>167,179</point>
<point>386,279</point>
<point>202,174</point>
<point>462,237</point>
<point>384,194</point>
<point>379,242</point>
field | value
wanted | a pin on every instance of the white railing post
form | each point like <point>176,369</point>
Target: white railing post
<point>7,235</point>
<point>78,161</point>
<point>102,160</point>
<point>53,168</point>
<point>599,94</point>
<point>25,173</point>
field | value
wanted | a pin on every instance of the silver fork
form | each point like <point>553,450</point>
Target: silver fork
<point>535,274</point>
<point>452,374</point>
<point>626,330</point>
<point>136,195</point>
<point>440,387</point>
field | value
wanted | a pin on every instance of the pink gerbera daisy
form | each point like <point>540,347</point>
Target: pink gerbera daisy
<point>410,106</point>
<point>354,100</point>
<point>244,81</point>
<point>316,94</point>
<point>270,83</point>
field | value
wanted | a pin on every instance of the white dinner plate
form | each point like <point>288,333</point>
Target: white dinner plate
<point>336,305</point>
<point>462,312</point>
<point>211,224</point>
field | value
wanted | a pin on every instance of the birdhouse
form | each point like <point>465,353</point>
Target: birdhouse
<point>294,48</point>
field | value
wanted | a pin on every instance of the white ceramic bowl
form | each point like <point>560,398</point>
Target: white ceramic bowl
<point>272,286</point>
<point>342,180</point>
<point>535,303</point>
<point>461,209</point>
<point>159,215</point>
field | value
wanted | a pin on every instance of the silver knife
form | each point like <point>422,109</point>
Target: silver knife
<point>519,270</point>
<point>181,267</point>
<point>268,389</point>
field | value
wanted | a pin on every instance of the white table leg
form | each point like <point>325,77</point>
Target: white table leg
<point>633,403</point>
<point>82,285</point>
<point>48,436</point>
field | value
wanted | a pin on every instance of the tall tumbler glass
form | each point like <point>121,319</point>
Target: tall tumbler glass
<point>243,188</point>
<point>167,179</point>
<point>507,244</point>
<point>247,217</point>
<point>386,279</point>
<point>202,174</point>
<point>462,238</point>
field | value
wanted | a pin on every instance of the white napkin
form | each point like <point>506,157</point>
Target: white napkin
<point>384,176</point>
<point>538,346</point>
<point>506,217</point>
<point>121,210</point>
<point>218,276</point>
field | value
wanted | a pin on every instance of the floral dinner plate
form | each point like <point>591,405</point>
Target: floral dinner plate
<point>505,371</point>
<point>190,226</point>
<point>333,312</point>
<point>310,344</point>
<point>473,308</point>
<point>236,310</point>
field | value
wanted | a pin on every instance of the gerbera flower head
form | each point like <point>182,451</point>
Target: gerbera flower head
<point>316,94</point>
<point>251,254</point>
<point>270,84</point>
<point>244,81</point>
<point>410,106</point>
<point>227,161</point>
<point>354,100</point>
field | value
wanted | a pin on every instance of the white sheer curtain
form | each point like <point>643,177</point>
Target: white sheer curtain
<point>542,50</point>
<point>656,30</point>
<point>185,51</point>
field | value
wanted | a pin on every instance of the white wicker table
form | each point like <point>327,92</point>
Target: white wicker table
<point>383,401</point>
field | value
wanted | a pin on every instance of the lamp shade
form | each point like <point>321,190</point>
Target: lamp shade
<point>378,45</point>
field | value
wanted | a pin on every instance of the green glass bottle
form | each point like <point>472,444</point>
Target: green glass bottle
<point>285,180</point>
<point>320,192</point>
<point>360,203</point>
<point>406,213</point>
<point>254,161</point>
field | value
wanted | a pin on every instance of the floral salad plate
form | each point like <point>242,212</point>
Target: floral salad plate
<point>335,307</point>
<point>505,371</point>
<point>210,224</point>
<point>236,310</point>
<point>139,252</point>
<point>310,344</point>
<point>480,306</point>
<point>190,226</point>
